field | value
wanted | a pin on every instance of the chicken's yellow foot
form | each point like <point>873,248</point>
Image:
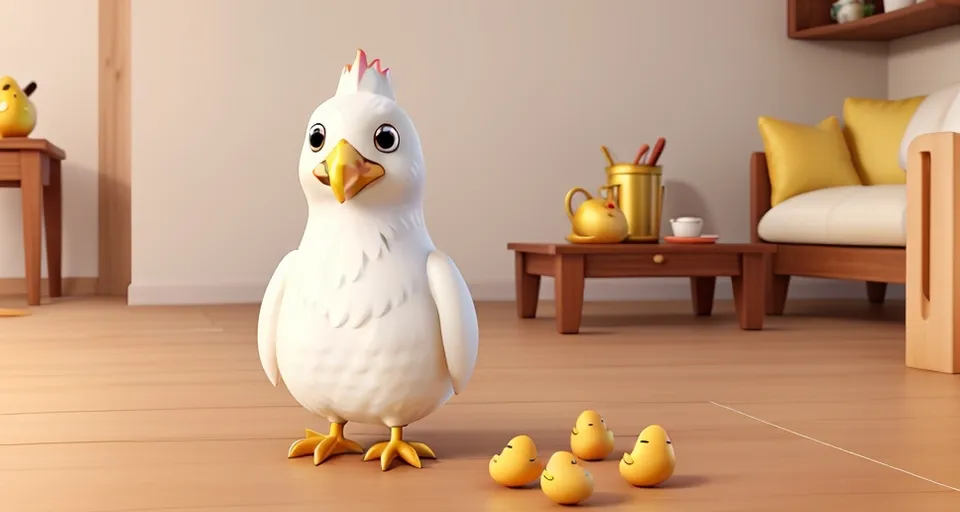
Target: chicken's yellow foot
<point>324,446</point>
<point>410,452</point>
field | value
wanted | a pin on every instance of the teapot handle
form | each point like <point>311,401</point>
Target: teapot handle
<point>568,201</point>
<point>612,195</point>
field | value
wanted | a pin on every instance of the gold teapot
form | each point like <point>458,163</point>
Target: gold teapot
<point>598,220</point>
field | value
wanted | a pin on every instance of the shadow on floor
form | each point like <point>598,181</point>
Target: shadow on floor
<point>684,482</point>
<point>467,444</point>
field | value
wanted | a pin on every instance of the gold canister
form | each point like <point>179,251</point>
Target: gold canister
<point>640,197</point>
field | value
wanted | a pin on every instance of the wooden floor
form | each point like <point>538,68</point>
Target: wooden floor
<point>109,408</point>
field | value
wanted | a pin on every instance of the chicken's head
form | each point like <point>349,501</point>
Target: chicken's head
<point>360,148</point>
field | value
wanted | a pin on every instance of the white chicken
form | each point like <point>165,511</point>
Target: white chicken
<point>366,321</point>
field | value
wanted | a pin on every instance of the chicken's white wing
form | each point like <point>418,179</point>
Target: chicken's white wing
<point>269,313</point>
<point>458,318</point>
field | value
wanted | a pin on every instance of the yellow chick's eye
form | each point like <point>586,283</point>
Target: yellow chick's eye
<point>573,462</point>
<point>510,446</point>
<point>644,441</point>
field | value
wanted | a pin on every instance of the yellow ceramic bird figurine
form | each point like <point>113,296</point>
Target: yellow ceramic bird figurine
<point>18,117</point>
<point>565,481</point>
<point>517,464</point>
<point>652,460</point>
<point>590,438</point>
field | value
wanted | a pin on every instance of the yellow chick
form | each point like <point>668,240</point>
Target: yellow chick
<point>590,439</point>
<point>565,481</point>
<point>652,461</point>
<point>517,464</point>
<point>18,117</point>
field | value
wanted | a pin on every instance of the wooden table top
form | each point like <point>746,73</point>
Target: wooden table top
<point>29,144</point>
<point>638,248</point>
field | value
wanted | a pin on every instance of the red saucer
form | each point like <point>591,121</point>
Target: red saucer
<point>702,239</point>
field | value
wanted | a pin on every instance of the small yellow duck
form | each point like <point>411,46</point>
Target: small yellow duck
<point>652,461</point>
<point>18,117</point>
<point>590,439</point>
<point>517,464</point>
<point>565,481</point>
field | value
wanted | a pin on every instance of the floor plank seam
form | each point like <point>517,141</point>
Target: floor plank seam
<point>835,447</point>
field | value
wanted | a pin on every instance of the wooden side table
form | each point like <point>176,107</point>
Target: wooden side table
<point>571,264</point>
<point>33,165</point>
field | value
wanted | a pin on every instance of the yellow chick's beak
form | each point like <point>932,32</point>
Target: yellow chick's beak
<point>547,476</point>
<point>347,172</point>
<point>627,459</point>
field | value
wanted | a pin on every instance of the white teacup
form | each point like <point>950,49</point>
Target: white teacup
<point>686,227</point>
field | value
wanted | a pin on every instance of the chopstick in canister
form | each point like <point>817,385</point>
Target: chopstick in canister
<point>643,150</point>
<point>606,153</point>
<point>657,151</point>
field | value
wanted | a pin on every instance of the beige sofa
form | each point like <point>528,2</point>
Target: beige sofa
<point>882,233</point>
<point>856,233</point>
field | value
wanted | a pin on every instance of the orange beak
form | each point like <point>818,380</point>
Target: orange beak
<point>347,172</point>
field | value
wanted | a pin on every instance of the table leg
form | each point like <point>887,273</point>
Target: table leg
<point>31,185</point>
<point>749,291</point>
<point>702,291</point>
<point>53,222</point>
<point>528,288</point>
<point>568,292</point>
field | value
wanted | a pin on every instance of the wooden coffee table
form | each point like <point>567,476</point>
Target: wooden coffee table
<point>571,264</point>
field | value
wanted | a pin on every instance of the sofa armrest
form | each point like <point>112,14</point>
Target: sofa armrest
<point>933,283</point>
<point>759,192</point>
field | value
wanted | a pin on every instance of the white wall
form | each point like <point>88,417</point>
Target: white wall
<point>506,95</point>
<point>922,64</point>
<point>54,43</point>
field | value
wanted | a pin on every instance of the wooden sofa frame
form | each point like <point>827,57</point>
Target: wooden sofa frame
<point>877,266</point>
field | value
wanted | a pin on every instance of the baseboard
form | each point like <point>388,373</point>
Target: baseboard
<point>177,295</point>
<point>72,286</point>
<point>596,290</point>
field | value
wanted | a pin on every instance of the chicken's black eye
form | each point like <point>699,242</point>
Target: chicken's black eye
<point>386,138</point>
<point>318,135</point>
<point>573,462</point>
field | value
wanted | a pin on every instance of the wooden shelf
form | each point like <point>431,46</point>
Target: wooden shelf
<point>810,19</point>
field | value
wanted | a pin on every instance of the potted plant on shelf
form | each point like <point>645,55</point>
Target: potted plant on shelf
<point>845,11</point>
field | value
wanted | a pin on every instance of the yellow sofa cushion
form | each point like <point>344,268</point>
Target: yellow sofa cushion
<point>874,129</point>
<point>804,158</point>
